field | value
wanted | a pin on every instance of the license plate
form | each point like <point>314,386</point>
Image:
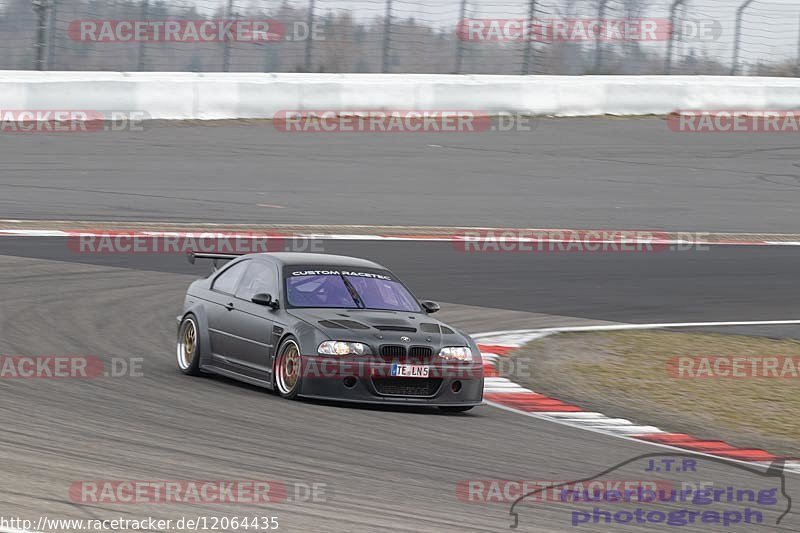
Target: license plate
<point>410,371</point>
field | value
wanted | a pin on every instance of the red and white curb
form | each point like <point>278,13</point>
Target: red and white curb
<point>504,393</point>
<point>456,237</point>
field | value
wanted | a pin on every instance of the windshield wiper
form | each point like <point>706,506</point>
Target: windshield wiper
<point>353,293</point>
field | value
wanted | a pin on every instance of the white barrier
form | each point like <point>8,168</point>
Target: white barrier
<point>170,95</point>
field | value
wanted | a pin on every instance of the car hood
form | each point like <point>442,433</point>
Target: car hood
<point>381,327</point>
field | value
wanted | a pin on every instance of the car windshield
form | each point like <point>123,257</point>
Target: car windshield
<point>348,290</point>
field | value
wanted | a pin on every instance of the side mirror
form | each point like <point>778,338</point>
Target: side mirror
<point>263,298</point>
<point>429,306</point>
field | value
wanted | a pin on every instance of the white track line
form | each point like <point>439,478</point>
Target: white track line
<point>457,237</point>
<point>34,233</point>
<point>518,337</point>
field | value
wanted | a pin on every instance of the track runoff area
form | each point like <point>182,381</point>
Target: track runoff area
<point>122,238</point>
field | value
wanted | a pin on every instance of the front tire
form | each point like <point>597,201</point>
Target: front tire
<point>188,349</point>
<point>288,369</point>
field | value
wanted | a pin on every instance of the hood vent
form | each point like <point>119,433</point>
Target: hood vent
<point>407,329</point>
<point>430,327</point>
<point>352,324</point>
<point>342,324</point>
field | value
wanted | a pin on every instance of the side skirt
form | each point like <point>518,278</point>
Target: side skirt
<point>252,380</point>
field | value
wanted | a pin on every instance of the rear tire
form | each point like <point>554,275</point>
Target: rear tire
<point>288,369</point>
<point>188,346</point>
<point>455,408</point>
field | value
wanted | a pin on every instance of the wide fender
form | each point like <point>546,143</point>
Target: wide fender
<point>199,311</point>
<point>308,339</point>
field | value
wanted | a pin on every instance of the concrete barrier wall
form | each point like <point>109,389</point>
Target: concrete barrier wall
<point>168,95</point>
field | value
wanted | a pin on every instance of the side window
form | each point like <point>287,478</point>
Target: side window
<point>260,277</point>
<point>227,281</point>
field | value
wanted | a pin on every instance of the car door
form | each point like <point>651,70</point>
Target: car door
<point>252,327</point>
<point>220,308</point>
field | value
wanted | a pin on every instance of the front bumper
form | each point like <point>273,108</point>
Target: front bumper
<point>368,381</point>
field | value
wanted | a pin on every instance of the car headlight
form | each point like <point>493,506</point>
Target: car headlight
<point>341,348</point>
<point>457,353</point>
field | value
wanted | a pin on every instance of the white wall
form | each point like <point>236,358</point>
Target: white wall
<point>167,95</point>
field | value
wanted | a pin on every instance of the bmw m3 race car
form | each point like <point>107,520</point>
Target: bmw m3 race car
<point>326,327</point>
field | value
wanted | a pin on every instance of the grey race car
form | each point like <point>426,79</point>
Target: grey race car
<point>327,327</point>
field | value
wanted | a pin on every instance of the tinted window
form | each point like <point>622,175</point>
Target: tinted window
<point>347,289</point>
<point>319,291</point>
<point>227,281</point>
<point>260,277</point>
<point>383,294</point>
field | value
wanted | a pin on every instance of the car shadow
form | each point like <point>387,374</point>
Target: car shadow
<point>397,408</point>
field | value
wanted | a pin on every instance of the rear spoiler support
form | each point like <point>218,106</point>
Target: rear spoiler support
<point>216,258</point>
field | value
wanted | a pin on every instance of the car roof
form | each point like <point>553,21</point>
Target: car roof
<point>311,259</point>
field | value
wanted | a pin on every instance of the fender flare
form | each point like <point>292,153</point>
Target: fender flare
<point>202,325</point>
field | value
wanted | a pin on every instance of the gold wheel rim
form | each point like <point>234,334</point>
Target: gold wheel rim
<point>289,368</point>
<point>188,344</point>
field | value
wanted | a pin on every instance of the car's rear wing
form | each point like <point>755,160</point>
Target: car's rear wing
<point>216,258</point>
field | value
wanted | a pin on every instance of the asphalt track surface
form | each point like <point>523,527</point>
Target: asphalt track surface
<point>716,283</point>
<point>568,173</point>
<point>383,468</point>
